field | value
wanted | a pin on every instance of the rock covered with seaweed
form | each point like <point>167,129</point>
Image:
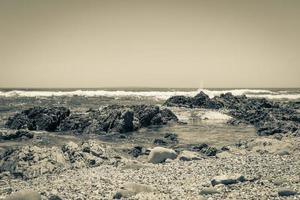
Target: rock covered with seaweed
<point>113,118</point>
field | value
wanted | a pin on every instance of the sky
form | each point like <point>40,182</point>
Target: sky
<point>150,43</point>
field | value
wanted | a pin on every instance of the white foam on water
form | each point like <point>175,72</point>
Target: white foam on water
<point>159,95</point>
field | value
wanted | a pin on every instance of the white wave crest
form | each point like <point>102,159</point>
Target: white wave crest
<point>159,95</point>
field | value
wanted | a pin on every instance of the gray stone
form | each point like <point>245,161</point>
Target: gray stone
<point>160,154</point>
<point>227,179</point>
<point>209,191</point>
<point>25,195</point>
<point>286,192</point>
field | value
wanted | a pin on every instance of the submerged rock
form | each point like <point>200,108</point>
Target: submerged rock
<point>160,154</point>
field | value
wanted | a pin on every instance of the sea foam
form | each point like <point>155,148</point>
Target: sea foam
<point>159,95</point>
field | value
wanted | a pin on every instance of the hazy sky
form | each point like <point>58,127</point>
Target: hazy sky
<point>163,43</point>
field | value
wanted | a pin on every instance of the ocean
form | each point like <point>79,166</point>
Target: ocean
<point>201,125</point>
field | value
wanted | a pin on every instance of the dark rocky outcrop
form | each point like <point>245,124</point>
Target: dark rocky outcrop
<point>119,119</point>
<point>38,118</point>
<point>113,118</point>
<point>267,116</point>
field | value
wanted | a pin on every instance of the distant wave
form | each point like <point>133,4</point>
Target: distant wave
<point>160,95</point>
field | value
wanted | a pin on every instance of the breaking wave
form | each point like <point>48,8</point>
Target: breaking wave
<point>161,95</point>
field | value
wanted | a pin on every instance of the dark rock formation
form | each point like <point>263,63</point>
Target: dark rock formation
<point>119,119</point>
<point>15,135</point>
<point>38,118</point>
<point>138,151</point>
<point>113,118</point>
<point>205,149</point>
<point>267,116</point>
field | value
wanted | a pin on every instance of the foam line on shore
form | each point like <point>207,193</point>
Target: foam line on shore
<point>161,95</point>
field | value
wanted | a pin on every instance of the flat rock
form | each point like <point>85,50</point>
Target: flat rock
<point>227,179</point>
<point>286,192</point>
<point>131,189</point>
<point>209,191</point>
<point>188,156</point>
<point>25,195</point>
<point>160,154</point>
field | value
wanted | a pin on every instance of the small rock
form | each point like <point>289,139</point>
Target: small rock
<point>209,191</point>
<point>282,152</point>
<point>160,154</point>
<point>159,141</point>
<point>131,189</point>
<point>286,192</point>
<point>227,179</point>
<point>210,151</point>
<point>54,197</point>
<point>25,195</point>
<point>137,151</point>
<point>188,156</point>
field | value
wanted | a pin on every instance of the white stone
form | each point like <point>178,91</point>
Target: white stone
<point>160,154</point>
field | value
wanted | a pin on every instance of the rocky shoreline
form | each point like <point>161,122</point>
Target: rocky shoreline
<point>265,167</point>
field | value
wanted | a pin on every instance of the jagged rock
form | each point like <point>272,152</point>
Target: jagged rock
<point>38,118</point>
<point>267,116</point>
<point>227,179</point>
<point>205,149</point>
<point>160,154</point>
<point>13,135</point>
<point>138,151</point>
<point>25,195</point>
<point>210,151</point>
<point>116,118</point>
<point>113,118</point>
<point>32,161</point>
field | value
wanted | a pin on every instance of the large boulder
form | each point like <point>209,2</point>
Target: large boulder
<point>160,154</point>
<point>38,118</point>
